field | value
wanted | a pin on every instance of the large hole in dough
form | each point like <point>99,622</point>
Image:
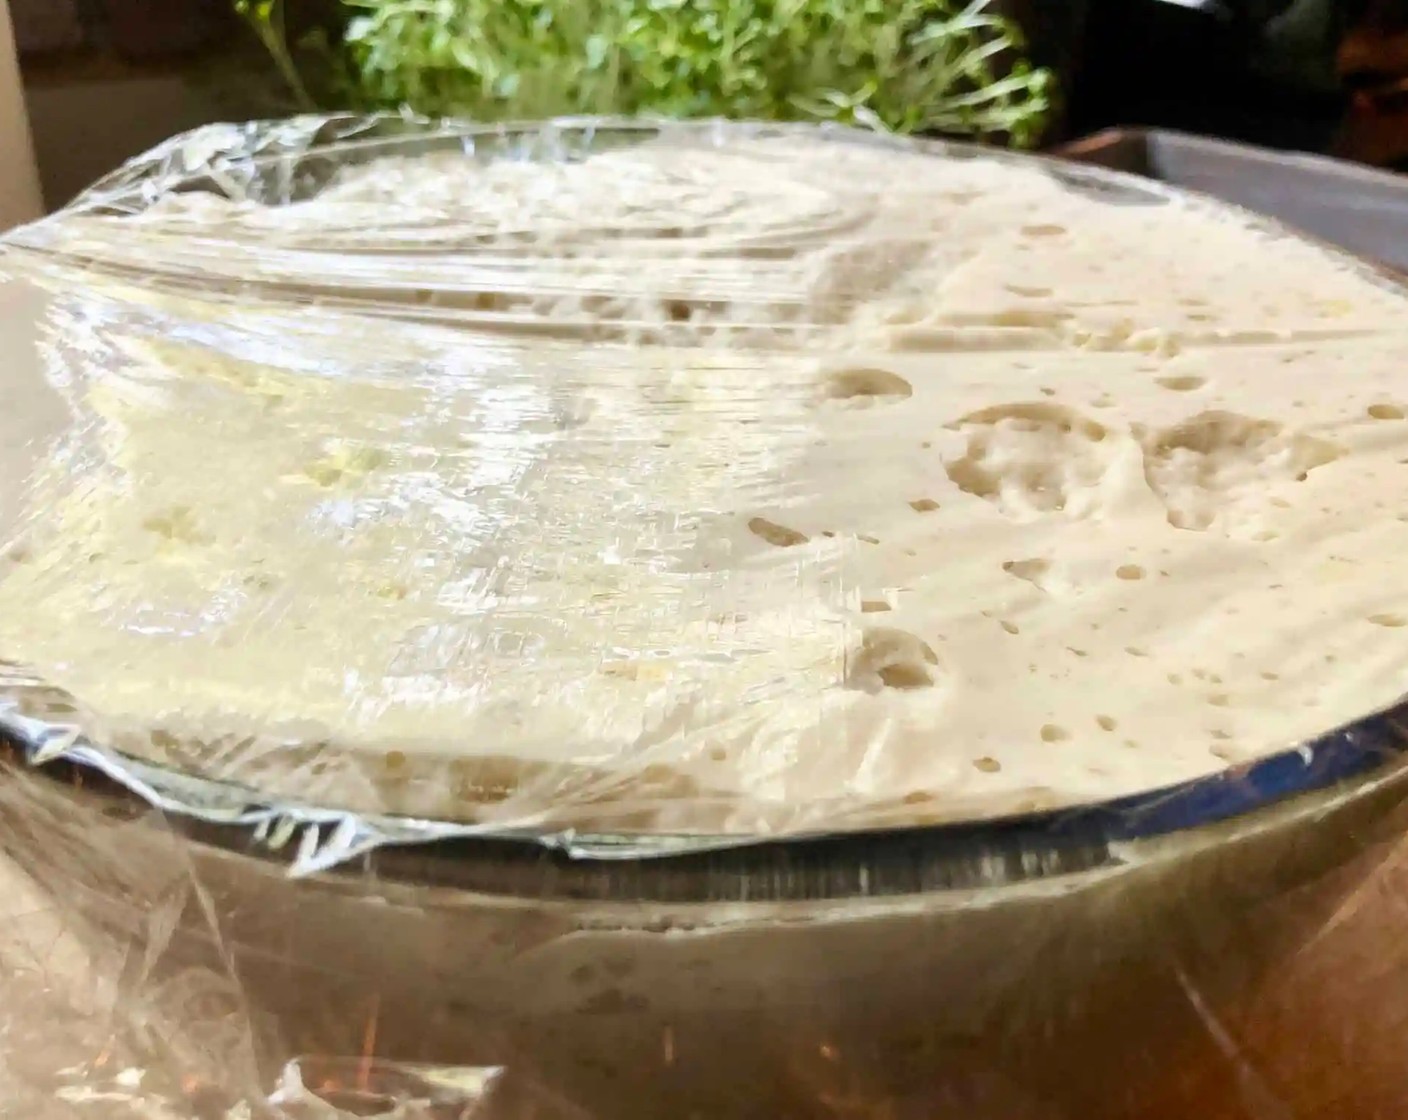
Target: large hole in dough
<point>1031,459</point>
<point>888,658</point>
<point>1208,468</point>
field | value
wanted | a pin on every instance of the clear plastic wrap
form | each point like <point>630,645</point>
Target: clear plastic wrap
<point>315,898</point>
<point>603,482</point>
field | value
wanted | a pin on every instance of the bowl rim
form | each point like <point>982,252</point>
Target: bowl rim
<point>1045,846</point>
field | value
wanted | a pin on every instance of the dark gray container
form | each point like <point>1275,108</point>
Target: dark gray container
<point>1361,209</point>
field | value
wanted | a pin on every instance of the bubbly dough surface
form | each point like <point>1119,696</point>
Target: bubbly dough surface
<point>764,486</point>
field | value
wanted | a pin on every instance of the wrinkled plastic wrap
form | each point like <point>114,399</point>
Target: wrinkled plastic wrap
<point>414,481</point>
<point>256,923</point>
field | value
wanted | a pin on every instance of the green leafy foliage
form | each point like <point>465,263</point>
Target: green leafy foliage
<point>946,66</point>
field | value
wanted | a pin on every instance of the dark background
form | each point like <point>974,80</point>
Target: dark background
<point>1319,75</point>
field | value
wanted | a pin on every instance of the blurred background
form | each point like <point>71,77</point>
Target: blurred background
<point>105,79</point>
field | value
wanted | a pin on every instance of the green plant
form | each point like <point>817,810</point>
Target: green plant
<point>948,66</point>
<point>266,17</point>
<point>311,64</point>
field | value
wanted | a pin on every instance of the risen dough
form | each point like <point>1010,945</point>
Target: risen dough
<point>758,486</point>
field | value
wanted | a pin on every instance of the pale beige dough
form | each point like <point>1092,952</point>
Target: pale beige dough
<point>772,486</point>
